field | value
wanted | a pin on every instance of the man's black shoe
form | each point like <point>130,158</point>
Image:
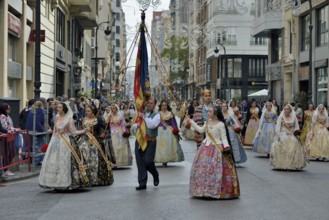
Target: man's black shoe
<point>156,180</point>
<point>140,187</point>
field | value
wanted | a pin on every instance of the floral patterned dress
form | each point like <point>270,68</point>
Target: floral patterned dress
<point>94,151</point>
<point>213,174</point>
<point>287,152</point>
<point>60,170</point>
<point>168,147</point>
<point>317,145</point>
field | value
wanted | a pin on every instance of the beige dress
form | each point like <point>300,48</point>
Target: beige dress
<point>287,152</point>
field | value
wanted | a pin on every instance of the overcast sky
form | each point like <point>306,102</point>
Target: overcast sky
<point>133,18</point>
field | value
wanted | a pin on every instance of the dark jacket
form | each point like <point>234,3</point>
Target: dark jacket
<point>23,118</point>
<point>39,121</point>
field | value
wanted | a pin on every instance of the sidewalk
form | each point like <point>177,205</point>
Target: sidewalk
<point>21,173</point>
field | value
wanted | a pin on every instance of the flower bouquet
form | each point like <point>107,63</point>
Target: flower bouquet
<point>297,132</point>
<point>237,130</point>
<point>44,148</point>
<point>126,134</point>
<point>175,131</point>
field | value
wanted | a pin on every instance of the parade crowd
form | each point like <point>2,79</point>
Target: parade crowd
<point>88,138</point>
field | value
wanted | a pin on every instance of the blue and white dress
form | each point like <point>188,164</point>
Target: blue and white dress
<point>265,135</point>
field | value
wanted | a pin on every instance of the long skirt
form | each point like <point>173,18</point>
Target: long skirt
<point>168,147</point>
<point>122,149</point>
<point>239,153</point>
<point>60,169</point>
<point>264,139</point>
<point>213,174</point>
<point>287,153</point>
<point>251,131</point>
<point>318,145</point>
<point>100,174</point>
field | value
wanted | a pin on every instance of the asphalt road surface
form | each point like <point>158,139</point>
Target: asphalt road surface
<point>265,194</point>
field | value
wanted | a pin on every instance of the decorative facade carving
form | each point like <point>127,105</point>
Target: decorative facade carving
<point>233,6</point>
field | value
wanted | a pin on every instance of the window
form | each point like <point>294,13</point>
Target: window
<point>230,68</point>
<point>257,67</point>
<point>11,48</point>
<point>258,41</point>
<point>252,9</point>
<point>60,29</point>
<point>117,43</point>
<point>305,32</point>
<point>118,3</point>
<point>237,67</point>
<point>117,29</point>
<point>276,47</point>
<point>235,94</point>
<point>118,16</point>
<point>322,26</point>
<point>322,85</point>
<point>60,79</point>
<point>69,36</point>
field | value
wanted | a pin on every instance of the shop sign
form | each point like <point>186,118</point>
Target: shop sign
<point>14,24</point>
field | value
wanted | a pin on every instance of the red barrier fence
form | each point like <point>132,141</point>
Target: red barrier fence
<point>9,149</point>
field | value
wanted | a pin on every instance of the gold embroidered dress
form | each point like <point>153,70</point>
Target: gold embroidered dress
<point>306,126</point>
<point>252,127</point>
<point>317,142</point>
<point>287,153</point>
<point>168,148</point>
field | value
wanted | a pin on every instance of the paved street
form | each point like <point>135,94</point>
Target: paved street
<point>265,194</point>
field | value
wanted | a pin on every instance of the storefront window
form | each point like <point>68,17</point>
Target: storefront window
<point>322,85</point>
<point>235,93</point>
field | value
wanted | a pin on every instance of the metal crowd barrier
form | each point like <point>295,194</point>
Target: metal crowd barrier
<point>9,151</point>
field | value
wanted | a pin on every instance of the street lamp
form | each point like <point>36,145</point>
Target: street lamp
<point>310,26</point>
<point>216,51</point>
<point>107,32</point>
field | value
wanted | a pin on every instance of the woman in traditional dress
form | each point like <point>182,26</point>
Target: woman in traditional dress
<point>317,142</point>
<point>307,122</point>
<point>213,173</point>
<point>92,144</point>
<point>251,124</point>
<point>233,130</point>
<point>63,166</point>
<point>237,116</point>
<point>266,131</point>
<point>120,140</point>
<point>276,106</point>
<point>287,153</point>
<point>168,147</point>
<point>188,133</point>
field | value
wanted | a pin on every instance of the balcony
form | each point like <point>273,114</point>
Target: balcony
<point>14,70</point>
<point>88,19</point>
<point>78,6</point>
<point>270,19</point>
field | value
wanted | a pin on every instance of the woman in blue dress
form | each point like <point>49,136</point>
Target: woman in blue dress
<point>266,132</point>
<point>233,128</point>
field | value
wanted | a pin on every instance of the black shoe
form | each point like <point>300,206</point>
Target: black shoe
<point>140,187</point>
<point>156,180</point>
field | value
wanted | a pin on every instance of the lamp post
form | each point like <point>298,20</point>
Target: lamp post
<point>216,51</point>
<point>310,69</point>
<point>106,32</point>
<point>37,82</point>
